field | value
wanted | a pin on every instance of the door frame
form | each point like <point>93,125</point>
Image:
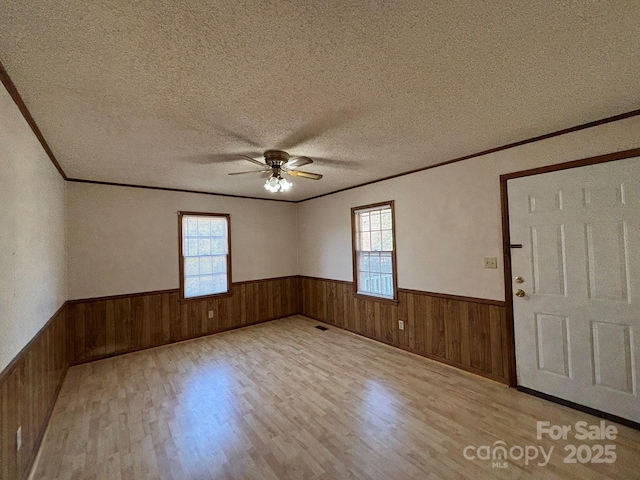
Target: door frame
<point>506,252</point>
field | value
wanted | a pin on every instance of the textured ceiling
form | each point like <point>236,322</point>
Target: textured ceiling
<point>163,93</point>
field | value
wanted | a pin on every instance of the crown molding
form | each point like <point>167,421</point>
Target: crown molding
<point>11,88</point>
<point>557,133</point>
<point>15,95</point>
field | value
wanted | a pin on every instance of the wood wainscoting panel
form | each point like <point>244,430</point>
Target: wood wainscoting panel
<point>29,386</point>
<point>467,333</point>
<point>108,326</point>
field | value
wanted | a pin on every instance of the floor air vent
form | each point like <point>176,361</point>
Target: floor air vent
<point>320,327</point>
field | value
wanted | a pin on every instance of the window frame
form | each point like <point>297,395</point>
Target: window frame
<point>227,216</point>
<point>354,253</point>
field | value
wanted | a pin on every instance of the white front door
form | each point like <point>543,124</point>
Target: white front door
<point>577,327</point>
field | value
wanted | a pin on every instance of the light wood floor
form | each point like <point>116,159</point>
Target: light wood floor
<point>285,400</point>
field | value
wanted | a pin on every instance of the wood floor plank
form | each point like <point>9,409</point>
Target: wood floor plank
<point>283,400</point>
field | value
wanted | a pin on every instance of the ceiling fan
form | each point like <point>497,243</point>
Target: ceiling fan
<point>276,163</point>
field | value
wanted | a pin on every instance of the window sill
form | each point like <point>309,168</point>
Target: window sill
<point>206,297</point>
<point>392,301</point>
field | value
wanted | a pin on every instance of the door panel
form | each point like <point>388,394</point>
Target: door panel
<point>553,343</point>
<point>548,248</point>
<point>577,327</point>
<point>607,266</point>
<point>612,358</point>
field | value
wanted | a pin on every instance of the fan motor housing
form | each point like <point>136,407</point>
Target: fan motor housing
<point>276,157</point>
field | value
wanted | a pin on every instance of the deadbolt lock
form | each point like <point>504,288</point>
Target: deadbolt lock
<point>519,280</point>
<point>520,293</point>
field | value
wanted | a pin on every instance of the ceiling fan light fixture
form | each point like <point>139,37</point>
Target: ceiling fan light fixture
<point>276,163</point>
<point>268,186</point>
<point>284,185</point>
<point>276,183</point>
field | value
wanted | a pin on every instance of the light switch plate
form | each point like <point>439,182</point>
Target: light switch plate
<point>490,262</point>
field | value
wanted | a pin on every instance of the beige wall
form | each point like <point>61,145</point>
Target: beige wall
<point>125,240</point>
<point>32,253</point>
<point>447,218</point>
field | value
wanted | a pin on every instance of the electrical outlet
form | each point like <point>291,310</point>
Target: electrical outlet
<point>210,313</point>
<point>19,438</point>
<point>401,324</point>
<point>490,262</point>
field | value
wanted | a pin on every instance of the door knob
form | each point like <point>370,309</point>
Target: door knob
<point>519,280</point>
<point>520,293</point>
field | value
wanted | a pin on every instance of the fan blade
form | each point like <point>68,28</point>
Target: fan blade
<point>298,173</point>
<point>252,160</point>
<point>296,162</point>
<point>334,162</point>
<point>252,171</point>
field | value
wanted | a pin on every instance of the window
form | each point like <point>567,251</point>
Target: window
<point>374,257</point>
<point>205,260</point>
